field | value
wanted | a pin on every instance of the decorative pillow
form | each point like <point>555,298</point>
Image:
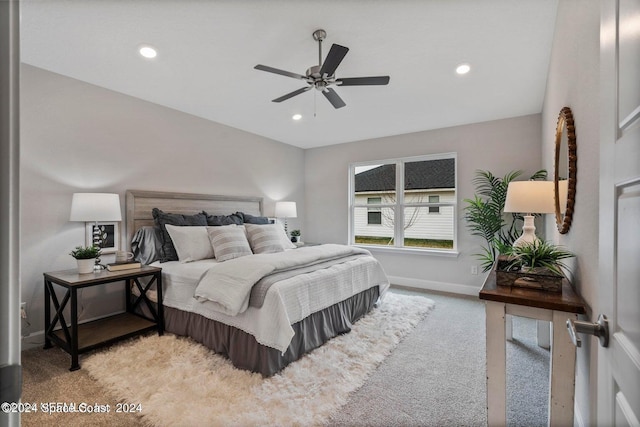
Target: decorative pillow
<point>251,219</point>
<point>229,242</point>
<point>267,238</point>
<point>217,220</point>
<point>191,243</point>
<point>162,219</point>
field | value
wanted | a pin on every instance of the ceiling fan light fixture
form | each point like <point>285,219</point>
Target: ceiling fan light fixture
<point>148,52</point>
<point>296,116</point>
<point>463,69</point>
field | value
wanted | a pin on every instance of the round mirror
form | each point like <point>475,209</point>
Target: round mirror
<point>565,171</point>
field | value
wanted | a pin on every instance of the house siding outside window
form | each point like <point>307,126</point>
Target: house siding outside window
<point>421,216</point>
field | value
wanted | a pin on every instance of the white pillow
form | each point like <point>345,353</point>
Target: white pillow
<point>191,242</point>
<point>229,241</point>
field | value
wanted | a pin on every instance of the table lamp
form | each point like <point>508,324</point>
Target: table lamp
<point>528,198</point>
<point>95,207</point>
<point>286,210</point>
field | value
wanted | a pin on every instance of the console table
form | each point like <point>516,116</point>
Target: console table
<point>76,338</point>
<point>535,304</point>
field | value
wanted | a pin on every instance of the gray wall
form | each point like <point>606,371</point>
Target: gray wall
<point>573,81</point>
<point>498,146</point>
<point>77,137</point>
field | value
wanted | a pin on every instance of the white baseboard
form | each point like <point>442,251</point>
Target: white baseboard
<point>33,340</point>
<point>431,285</point>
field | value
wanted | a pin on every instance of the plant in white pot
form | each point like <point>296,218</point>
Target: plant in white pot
<point>295,236</point>
<point>85,257</point>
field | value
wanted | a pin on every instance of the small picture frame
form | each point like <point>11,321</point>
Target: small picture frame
<point>106,235</point>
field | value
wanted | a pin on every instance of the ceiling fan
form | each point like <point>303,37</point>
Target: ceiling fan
<point>322,76</point>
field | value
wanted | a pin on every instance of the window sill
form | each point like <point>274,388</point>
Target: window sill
<point>412,251</point>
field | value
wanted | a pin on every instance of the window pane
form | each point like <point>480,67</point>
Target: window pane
<point>373,233</point>
<point>428,231</point>
<point>374,217</point>
<point>428,178</point>
<point>376,179</point>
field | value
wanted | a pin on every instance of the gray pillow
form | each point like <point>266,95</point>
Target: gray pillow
<point>218,220</point>
<point>146,245</point>
<point>251,219</point>
<point>161,218</point>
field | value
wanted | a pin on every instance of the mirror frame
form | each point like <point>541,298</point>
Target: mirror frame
<point>565,120</point>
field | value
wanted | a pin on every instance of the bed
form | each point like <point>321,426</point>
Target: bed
<point>299,298</point>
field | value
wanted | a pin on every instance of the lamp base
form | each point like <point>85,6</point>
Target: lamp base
<point>528,232</point>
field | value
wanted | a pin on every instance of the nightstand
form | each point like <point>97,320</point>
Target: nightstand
<point>75,338</point>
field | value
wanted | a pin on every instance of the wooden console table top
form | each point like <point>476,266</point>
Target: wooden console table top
<point>567,301</point>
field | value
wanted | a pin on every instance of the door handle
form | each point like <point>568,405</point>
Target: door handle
<point>600,329</point>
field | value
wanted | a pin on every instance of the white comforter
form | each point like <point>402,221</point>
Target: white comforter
<point>227,286</point>
<point>290,300</point>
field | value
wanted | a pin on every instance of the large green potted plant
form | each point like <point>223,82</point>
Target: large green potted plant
<point>485,214</point>
<point>85,257</point>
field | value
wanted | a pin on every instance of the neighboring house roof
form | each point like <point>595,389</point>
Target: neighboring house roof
<point>428,174</point>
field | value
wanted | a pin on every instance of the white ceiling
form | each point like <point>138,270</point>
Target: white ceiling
<point>207,51</point>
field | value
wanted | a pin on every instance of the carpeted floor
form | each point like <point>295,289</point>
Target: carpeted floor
<point>435,377</point>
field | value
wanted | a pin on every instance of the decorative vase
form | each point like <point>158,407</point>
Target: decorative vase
<point>85,266</point>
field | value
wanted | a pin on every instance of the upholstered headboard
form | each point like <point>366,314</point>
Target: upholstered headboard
<point>139,204</point>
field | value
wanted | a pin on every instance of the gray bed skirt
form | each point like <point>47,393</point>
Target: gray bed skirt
<point>246,353</point>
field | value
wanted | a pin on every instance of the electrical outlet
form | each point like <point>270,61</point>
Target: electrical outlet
<point>474,269</point>
<point>23,310</point>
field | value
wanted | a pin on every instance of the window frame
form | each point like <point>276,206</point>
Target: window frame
<point>399,206</point>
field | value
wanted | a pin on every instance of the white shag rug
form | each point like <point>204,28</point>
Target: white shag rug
<point>179,382</point>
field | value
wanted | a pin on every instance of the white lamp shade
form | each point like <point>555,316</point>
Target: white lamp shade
<point>286,210</point>
<point>530,197</point>
<point>89,207</point>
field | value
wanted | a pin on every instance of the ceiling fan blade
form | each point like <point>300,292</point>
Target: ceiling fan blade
<point>362,81</point>
<point>333,97</point>
<point>292,94</point>
<point>333,59</point>
<point>281,72</point>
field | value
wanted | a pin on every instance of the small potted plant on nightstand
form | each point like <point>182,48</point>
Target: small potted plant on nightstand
<point>85,257</point>
<point>295,236</point>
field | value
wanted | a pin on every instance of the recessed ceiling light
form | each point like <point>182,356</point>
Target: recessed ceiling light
<point>463,69</point>
<point>148,52</point>
<point>296,116</point>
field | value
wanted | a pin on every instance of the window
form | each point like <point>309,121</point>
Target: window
<point>404,203</point>
<point>374,215</point>
<point>434,199</point>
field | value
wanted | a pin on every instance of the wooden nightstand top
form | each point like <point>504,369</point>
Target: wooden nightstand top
<point>70,278</point>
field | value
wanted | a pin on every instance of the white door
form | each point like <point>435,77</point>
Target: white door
<point>619,364</point>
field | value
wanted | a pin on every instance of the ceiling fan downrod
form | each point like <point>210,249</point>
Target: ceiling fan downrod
<point>319,36</point>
